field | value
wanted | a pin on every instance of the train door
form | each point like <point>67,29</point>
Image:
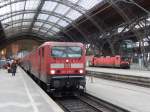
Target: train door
<point>117,61</point>
<point>39,63</point>
<point>42,65</point>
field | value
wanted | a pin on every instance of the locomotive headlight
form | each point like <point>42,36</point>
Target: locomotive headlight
<point>52,71</point>
<point>80,71</point>
<point>67,60</point>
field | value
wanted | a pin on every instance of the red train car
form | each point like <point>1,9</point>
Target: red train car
<point>59,65</point>
<point>114,61</point>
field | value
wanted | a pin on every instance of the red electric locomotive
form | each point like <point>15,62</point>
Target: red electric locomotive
<point>59,65</point>
<point>114,61</point>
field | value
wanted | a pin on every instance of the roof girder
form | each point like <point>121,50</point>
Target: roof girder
<point>36,14</point>
<point>38,20</point>
<point>26,26</point>
<point>52,14</point>
<point>64,2</point>
<point>74,6</point>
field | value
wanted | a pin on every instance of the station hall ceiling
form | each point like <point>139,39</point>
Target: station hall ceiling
<point>44,18</point>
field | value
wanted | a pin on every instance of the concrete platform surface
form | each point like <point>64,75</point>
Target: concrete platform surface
<point>21,94</point>
<point>138,73</point>
<point>130,97</point>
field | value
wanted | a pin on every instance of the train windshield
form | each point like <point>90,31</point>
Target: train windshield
<point>125,58</point>
<point>66,51</point>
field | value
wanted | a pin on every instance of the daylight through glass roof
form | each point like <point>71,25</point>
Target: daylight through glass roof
<point>44,17</point>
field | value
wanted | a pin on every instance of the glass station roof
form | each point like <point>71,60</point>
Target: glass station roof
<point>41,17</point>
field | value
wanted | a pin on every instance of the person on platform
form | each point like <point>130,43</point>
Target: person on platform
<point>8,67</point>
<point>13,68</point>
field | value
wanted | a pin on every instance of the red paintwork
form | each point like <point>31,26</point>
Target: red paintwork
<point>114,61</point>
<point>41,64</point>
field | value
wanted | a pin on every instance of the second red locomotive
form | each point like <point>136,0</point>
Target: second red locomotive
<point>108,61</point>
<point>59,65</point>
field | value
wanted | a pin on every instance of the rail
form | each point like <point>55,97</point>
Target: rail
<point>87,103</point>
<point>137,80</point>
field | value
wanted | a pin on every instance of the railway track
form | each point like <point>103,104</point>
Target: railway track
<point>84,103</point>
<point>87,103</point>
<point>139,81</point>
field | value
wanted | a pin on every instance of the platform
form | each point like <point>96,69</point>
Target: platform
<point>130,97</point>
<point>21,94</point>
<point>128,72</point>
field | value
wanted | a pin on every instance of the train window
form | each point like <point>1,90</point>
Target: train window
<point>39,53</point>
<point>66,51</point>
<point>42,52</point>
<point>125,58</point>
<point>117,58</point>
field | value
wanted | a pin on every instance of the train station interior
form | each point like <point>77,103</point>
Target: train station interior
<point>96,50</point>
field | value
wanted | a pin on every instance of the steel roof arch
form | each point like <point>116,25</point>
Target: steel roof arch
<point>64,2</point>
<point>38,20</point>
<point>26,32</point>
<point>50,13</point>
<point>26,26</point>
<point>73,6</point>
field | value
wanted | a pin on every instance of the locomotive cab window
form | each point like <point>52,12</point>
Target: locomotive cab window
<point>125,58</point>
<point>66,51</point>
<point>117,58</point>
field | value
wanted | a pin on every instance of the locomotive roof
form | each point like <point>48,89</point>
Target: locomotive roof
<point>62,44</point>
